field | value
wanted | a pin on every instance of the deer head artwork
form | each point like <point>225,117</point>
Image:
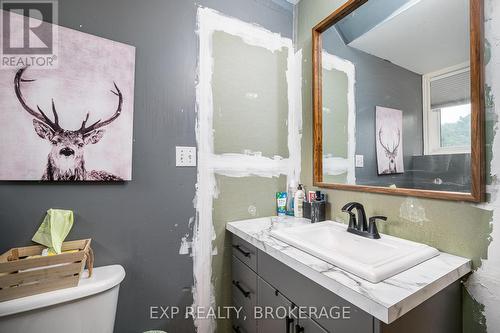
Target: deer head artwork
<point>66,160</point>
<point>391,152</point>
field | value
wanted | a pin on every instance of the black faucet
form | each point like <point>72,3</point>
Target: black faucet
<point>358,225</point>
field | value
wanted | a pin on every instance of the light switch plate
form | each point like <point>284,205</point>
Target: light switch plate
<point>185,156</point>
<point>360,161</point>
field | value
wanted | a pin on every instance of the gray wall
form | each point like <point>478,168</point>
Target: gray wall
<point>381,83</point>
<point>139,224</point>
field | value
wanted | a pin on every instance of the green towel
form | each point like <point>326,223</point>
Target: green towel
<point>54,229</point>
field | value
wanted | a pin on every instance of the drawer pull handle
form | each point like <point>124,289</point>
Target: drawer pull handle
<point>289,322</point>
<point>236,329</point>
<point>299,329</point>
<point>243,291</point>
<point>245,253</point>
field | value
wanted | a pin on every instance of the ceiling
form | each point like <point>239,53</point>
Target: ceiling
<point>428,36</point>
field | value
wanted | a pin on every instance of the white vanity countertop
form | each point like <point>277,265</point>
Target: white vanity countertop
<point>387,300</point>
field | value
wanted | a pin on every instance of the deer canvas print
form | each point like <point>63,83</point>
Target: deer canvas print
<point>72,122</point>
<point>389,138</point>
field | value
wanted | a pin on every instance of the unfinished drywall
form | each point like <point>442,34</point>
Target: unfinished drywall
<point>250,97</point>
<point>460,228</point>
<point>224,92</point>
<point>250,105</point>
<point>238,198</point>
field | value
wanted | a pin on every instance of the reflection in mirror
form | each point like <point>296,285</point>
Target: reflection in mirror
<point>396,96</point>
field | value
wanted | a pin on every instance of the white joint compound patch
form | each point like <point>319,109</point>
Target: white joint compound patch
<point>233,165</point>
<point>484,284</point>
<point>411,210</point>
<point>185,245</point>
<point>252,210</point>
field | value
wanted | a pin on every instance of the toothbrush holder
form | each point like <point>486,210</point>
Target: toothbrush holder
<point>315,210</point>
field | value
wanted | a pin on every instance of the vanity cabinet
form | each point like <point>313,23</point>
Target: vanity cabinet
<point>262,282</point>
<point>270,298</point>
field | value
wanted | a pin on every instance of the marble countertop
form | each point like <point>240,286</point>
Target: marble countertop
<point>387,300</point>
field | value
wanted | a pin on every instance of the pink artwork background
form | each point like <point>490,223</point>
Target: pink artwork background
<point>82,82</point>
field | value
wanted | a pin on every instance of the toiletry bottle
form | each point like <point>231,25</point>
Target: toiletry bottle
<point>281,203</point>
<point>292,188</point>
<point>299,202</point>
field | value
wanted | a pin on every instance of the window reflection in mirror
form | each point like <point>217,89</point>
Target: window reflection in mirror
<point>396,96</point>
<point>447,116</point>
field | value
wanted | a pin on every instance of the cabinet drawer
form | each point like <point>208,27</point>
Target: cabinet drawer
<point>244,323</point>
<point>244,251</point>
<point>274,309</point>
<point>308,326</point>
<point>304,292</point>
<point>244,286</point>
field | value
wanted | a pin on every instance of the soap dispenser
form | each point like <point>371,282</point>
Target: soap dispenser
<point>292,189</point>
<point>298,202</point>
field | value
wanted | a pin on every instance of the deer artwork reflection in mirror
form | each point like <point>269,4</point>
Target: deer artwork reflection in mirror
<point>391,153</point>
<point>66,160</point>
<point>389,140</point>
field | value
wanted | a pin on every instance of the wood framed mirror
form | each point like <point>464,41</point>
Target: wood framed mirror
<point>398,99</point>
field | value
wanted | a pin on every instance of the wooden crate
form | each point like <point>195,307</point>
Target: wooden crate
<point>22,276</point>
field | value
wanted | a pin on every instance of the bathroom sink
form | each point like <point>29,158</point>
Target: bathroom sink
<point>371,259</point>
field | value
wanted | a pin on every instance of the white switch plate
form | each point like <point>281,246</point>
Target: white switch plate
<point>185,156</point>
<point>360,161</point>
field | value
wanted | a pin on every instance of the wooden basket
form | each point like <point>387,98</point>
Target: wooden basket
<point>22,275</point>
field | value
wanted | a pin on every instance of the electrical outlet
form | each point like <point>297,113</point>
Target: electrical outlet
<point>360,161</point>
<point>185,156</point>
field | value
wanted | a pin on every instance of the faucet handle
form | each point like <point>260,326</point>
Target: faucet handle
<point>352,217</point>
<point>372,228</point>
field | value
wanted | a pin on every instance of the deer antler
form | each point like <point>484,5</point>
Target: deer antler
<point>98,124</point>
<point>380,140</point>
<point>54,125</point>
<point>399,141</point>
<point>386,148</point>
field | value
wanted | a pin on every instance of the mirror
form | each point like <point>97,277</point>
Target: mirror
<point>398,98</point>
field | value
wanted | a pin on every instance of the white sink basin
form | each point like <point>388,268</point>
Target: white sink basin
<point>372,259</point>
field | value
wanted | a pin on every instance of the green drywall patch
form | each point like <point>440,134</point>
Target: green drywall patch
<point>474,320</point>
<point>250,96</point>
<point>238,199</point>
<point>250,115</point>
